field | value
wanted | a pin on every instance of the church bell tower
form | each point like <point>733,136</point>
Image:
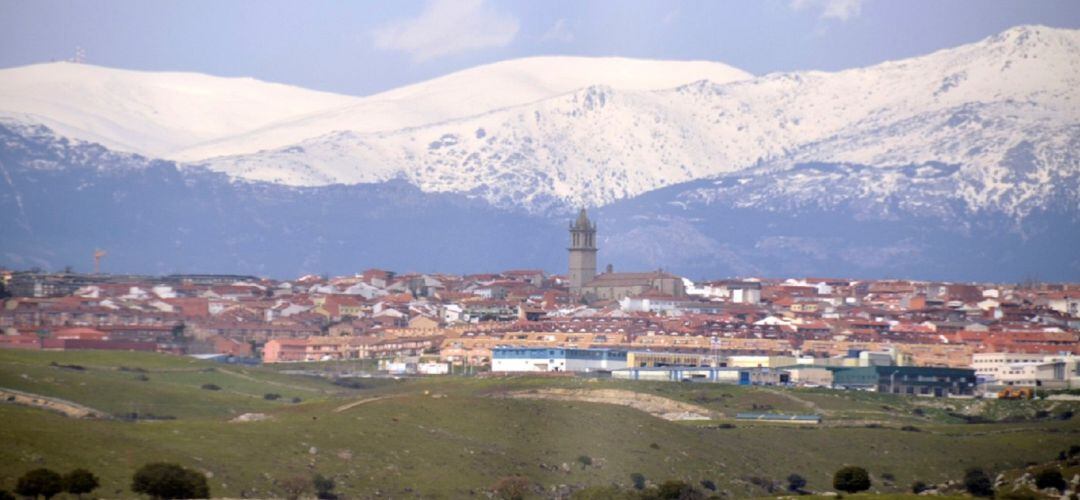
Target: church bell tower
<point>582,252</point>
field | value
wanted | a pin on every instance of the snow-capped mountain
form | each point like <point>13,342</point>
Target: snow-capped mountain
<point>154,114</point>
<point>60,199</point>
<point>470,92</point>
<point>968,106</point>
<point>697,167</point>
<point>189,116</point>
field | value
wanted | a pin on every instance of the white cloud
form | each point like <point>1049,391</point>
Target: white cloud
<point>447,27</point>
<point>559,32</point>
<point>831,9</point>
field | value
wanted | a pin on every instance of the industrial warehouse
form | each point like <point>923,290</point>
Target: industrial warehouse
<point>858,371</point>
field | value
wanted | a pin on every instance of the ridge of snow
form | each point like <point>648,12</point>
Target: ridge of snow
<point>151,113</point>
<point>191,116</point>
<point>971,105</point>
<point>550,133</point>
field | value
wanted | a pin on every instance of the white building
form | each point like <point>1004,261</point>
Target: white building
<point>1033,370</point>
<point>555,359</point>
<point>739,292</point>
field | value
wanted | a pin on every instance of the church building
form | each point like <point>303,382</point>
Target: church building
<point>586,285</point>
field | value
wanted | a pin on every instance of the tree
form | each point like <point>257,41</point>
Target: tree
<point>324,487</point>
<point>511,488</point>
<point>851,479</point>
<point>978,483</point>
<point>5,494</point>
<point>166,481</point>
<point>40,482</point>
<point>919,487</point>
<point>80,481</point>
<point>795,483</point>
<point>1049,478</point>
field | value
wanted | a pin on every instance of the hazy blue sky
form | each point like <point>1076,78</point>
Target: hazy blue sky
<point>364,47</point>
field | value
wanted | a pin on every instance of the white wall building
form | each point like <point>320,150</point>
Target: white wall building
<point>555,359</point>
<point>1032,370</point>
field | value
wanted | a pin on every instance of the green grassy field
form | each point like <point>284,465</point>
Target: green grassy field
<point>448,438</point>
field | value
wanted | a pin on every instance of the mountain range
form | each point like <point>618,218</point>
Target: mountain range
<point>960,164</point>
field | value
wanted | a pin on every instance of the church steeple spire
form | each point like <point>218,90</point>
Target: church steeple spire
<point>582,252</point>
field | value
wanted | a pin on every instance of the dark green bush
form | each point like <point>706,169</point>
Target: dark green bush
<point>851,479</point>
<point>978,483</point>
<point>168,481</point>
<point>40,482</point>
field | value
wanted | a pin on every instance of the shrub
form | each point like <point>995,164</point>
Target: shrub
<point>638,479</point>
<point>654,446</point>
<point>511,488</point>
<point>764,483</point>
<point>271,396</point>
<point>165,480</point>
<point>919,487</point>
<point>40,482</point>
<point>851,479</point>
<point>211,387</point>
<point>978,483</point>
<point>324,487</point>
<point>708,484</point>
<point>888,476</point>
<point>910,428</point>
<point>296,400</point>
<point>6,495</point>
<point>1049,477</point>
<point>80,481</point>
<point>294,487</point>
<point>584,460</point>
<point>796,482</point>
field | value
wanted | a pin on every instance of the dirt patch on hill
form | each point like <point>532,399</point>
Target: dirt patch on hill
<point>667,409</point>
<point>67,408</point>
<point>364,401</point>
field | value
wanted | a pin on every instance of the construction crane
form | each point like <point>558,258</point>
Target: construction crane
<point>98,254</point>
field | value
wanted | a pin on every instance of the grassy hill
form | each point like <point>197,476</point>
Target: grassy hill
<point>452,437</point>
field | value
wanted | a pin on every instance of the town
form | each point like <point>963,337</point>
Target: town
<point>894,336</point>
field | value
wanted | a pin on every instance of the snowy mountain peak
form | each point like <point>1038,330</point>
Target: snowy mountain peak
<point>151,113</point>
<point>973,106</point>
<point>1034,36</point>
<point>551,133</point>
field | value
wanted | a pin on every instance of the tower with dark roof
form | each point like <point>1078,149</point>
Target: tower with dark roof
<point>582,252</point>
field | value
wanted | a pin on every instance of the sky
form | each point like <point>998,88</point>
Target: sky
<point>365,47</point>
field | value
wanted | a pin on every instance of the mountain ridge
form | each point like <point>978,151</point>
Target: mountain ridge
<point>597,145</point>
